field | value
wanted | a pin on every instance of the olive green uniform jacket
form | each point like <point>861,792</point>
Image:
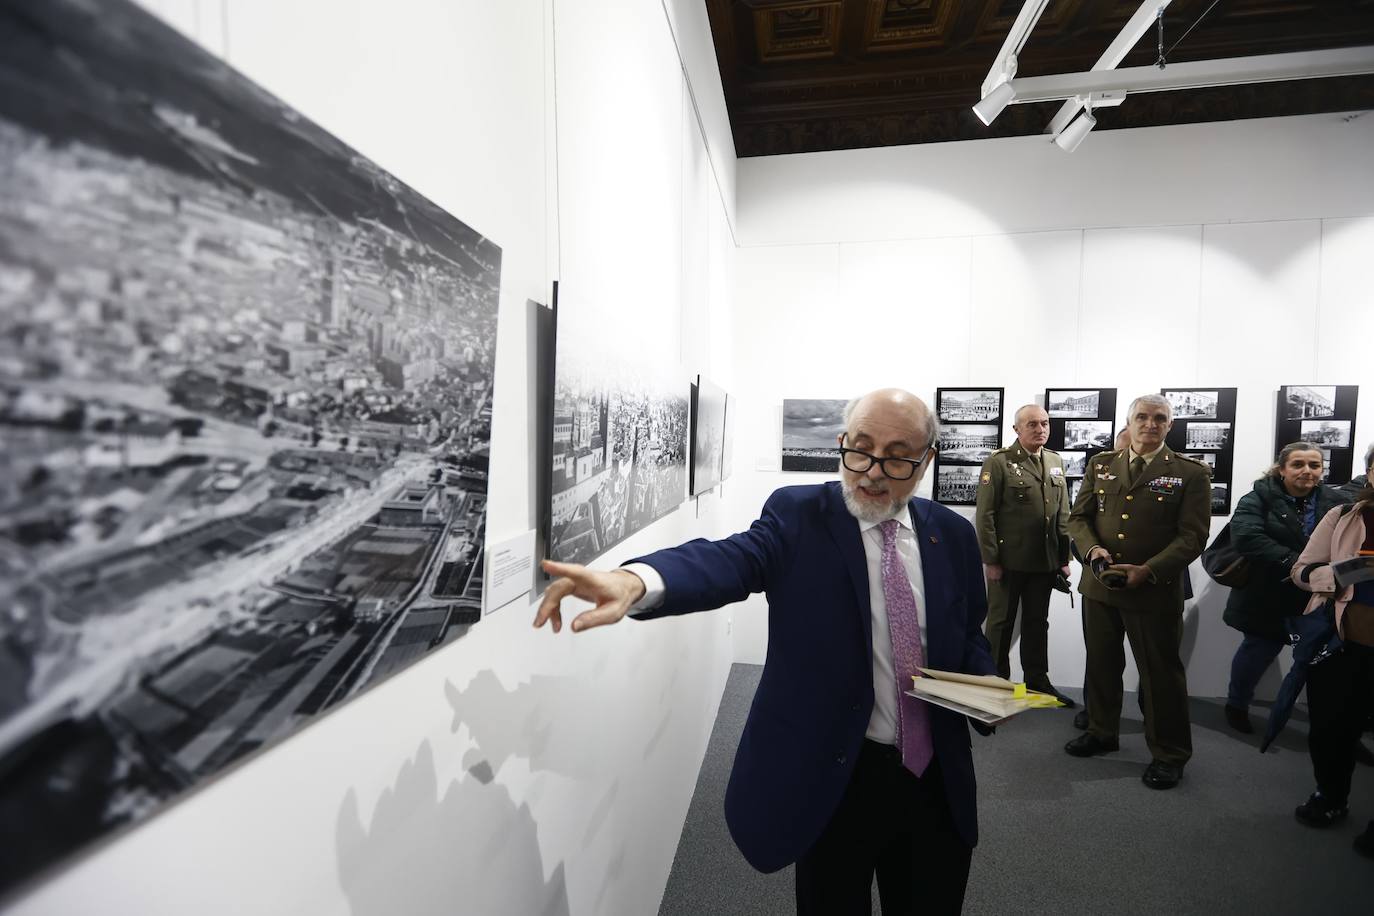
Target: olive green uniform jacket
<point>1023,511</point>
<point>1160,521</point>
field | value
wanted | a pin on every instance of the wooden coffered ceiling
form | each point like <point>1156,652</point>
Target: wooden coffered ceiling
<point>808,75</point>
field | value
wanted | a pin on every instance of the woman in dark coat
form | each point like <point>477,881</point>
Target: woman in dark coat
<point>1270,527</point>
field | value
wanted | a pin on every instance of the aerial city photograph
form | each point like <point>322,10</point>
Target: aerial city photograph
<point>245,406</point>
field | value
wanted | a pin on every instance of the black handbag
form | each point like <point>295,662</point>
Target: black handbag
<point>1224,563</point>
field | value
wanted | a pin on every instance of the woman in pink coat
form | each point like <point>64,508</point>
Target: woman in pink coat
<point>1340,690</point>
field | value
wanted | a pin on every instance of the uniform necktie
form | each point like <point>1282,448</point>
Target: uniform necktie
<point>1137,468</point>
<point>904,627</point>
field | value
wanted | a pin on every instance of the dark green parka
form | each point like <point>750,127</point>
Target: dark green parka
<point>1267,528</point>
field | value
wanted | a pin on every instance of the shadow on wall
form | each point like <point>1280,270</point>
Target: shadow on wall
<point>428,854</point>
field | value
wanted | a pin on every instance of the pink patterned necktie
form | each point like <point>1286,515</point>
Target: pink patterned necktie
<point>913,717</point>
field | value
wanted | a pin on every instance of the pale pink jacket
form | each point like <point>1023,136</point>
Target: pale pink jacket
<point>1337,537</point>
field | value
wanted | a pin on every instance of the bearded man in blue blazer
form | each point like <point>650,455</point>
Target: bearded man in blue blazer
<point>838,771</point>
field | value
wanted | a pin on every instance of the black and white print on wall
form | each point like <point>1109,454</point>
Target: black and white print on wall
<point>1087,434</point>
<point>1075,463</point>
<point>727,449</point>
<point>1080,424</point>
<point>1209,436</point>
<point>1189,404</point>
<point>708,435</point>
<point>957,485</point>
<point>1204,430</point>
<point>1301,402</point>
<point>245,411</point>
<point>1325,416</point>
<point>810,434</point>
<point>620,444</point>
<point>1073,403</point>
<point>970,431</point>
<point>1329,433</point>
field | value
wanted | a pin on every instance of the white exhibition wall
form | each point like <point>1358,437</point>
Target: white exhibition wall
<point>513,772</point>
<point>1232,254</point>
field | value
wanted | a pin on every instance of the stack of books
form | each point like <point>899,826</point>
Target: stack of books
<point>985,697</point>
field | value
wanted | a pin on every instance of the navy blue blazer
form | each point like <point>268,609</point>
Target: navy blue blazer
<point>814,700</point>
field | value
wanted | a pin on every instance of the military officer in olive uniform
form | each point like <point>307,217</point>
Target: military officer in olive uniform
<point>1023,533</point>
<point>1141,517</point>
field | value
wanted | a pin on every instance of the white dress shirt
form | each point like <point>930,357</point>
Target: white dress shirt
<point>882,724</point>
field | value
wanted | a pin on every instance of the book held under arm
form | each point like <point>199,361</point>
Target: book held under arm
<point>985,697</point>
<point>1354,570</point>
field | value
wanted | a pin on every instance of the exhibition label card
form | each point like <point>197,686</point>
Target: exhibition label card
<point>510,570</point>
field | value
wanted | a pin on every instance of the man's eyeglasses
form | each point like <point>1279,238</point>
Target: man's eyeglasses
<point>893,468</point>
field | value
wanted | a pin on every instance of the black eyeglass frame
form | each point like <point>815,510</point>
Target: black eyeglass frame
<point>913,463</point>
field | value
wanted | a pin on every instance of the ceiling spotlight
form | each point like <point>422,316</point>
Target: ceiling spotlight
<point>1069,138</point>
<point>993,103</point>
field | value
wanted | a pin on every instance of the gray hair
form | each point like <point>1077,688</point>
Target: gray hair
<point>1151,400</point>
<point>931,427</point>
<point>1016,417</point>
<point>1287,452</point>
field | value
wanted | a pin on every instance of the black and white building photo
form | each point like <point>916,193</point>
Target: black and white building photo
<point>1072,403</point>
<point>1075,463</point>
<point>810,434</point>
<point>1189,404</point>
<point>957,484</point>
<point>1207,436</point>
<point>968,443</point>
<point>1087,434</point>
<point>963,405</point>
<point>1075,485</point>
<point>1327,433</point>
<point>245,413</point>
<point>1301,402</point>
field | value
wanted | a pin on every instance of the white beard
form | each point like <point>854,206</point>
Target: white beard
<point>869,512</point>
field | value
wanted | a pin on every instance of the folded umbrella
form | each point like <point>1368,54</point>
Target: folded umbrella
<point>1314,639</point>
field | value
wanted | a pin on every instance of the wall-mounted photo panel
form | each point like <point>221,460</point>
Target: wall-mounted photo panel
<point>810,434</point>
<point>970,431</point>
<point>1204,430</point>
<point>1082,423</point>
<point>1325,416</point>
<point>619,443</point>
<point>245,410</point>
<point>708,435</point>
<point>727,449</point>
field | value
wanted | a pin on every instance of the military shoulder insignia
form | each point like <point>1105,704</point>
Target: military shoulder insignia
<point>987,477</point>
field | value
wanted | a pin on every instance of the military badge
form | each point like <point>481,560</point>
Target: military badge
<point>1056,472</point>
<point>987,478</point>
<point>1166,485</point>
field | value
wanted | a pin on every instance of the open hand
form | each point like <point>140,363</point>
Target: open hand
<point>612,592</point>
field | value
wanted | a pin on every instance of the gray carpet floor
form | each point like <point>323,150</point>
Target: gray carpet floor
<point>1064,835</point>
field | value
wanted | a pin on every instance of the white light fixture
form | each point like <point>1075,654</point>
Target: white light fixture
<point>993,103</point>
<point>1070,137</point>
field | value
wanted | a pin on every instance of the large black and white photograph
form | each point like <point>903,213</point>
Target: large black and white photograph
<point>1087,434</point>
<point>1207,436</point>
<point>957,485</point>
<point>968,444</point>
<point>811,428</point>
<point>965,405</point>
<point>245,393</point>
<point>1189,404</point>
<point>1327,433</point>
<point>619,451</point>
<point>1302,402</point>
<point>1075,485</point>
<point>1075,463</point>
<point>1072,403</point>
<point>708,435</point>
